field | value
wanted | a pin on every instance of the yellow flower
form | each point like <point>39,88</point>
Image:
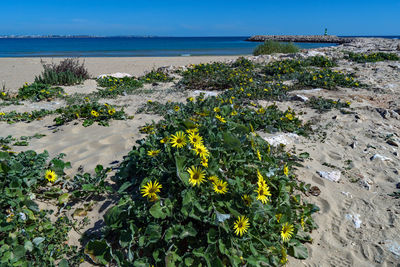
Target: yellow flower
<point>217,109</point>
<point>221,119</point>
<point>192,131</point>
<point>201,150</point>
<point>286,170</point>
<point>196,175</point>
<point>176,108</point>
<point>348,103</point>
<point>289,116</point>
<point>178,140</point>
<point>241,225</point>
<point>195,139</point>
<point>258,155</point>
<point>2,113</point>
<point>165,139</point>
<point>51,176</point>
<point>213,178</point>
<point>314,78</point>
<point>111,111</point>
<point>287,232</point>
<point>151,189</point>
<point>263,193</point>
<point>247,200</point>
<point>190,99</point>
<point>204,162</point>
<point>234,113</point>
<point>153,153</point>
<point>278,217</point>
<point>220,187</point>
<point>94,113</point>
<point>261,182</point>
<point>302,222</point>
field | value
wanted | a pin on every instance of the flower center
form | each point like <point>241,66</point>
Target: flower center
<point>179,140</point>
<point>196,176</point>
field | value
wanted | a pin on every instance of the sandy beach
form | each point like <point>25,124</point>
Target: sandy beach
<point>358,222</point>
<point>14,72</point>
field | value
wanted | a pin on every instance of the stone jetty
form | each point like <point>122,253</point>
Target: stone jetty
<point>302,38</point>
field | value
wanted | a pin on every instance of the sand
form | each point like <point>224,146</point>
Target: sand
<point>14,72</point>
<point>358,222</point>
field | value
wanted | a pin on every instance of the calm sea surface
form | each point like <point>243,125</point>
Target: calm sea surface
<point>130,46</point>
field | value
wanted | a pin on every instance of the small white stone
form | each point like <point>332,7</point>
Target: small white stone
<point>355,218</point>
<point>380,157</point>
<point>284,139</point>
<point>333,176</point>
<point>114,75</point>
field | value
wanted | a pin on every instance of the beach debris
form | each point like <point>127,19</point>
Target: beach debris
<point>391,142</point>
<point>333,176</point>
<point>206,93</point>
<point>347,194</point>
<point>315,191</point>
<point>353,145</point>
<point>393,247</point>
<point>115,75</point>
<point>355,218</point>
<point>366,183</point>
<point>284,139</point>
<point>380,157</point>
<point>301,98</point>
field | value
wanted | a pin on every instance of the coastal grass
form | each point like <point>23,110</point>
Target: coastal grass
<point>68,72</point>
<point>271,47</point>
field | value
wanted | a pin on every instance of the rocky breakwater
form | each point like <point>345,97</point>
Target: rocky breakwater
<point>301,38</point>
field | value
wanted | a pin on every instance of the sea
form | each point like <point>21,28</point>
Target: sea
<point>132,46</point>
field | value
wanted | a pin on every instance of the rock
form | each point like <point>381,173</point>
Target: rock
<point>393,247</point>
<point>315,191</point>
<point>347,194</point>
<point>392,143</point>
<point>353,145</point>
<point>333,176</point>
<point>114,75</point>
<point>398,47</point>
<point>383,112</point>
<point>301,98</point>
<point>380,157</point>
<point>355,218</point>
<point>366,183</point>
<point>284,139</point>
<point>206,93</point>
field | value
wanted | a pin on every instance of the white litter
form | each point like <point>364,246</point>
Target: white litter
<point>284,139</point>
<point>355,218</point>
<point>333,176</point>
<point>114,75</point>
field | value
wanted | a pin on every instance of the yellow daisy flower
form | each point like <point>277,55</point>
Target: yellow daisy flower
<point>261,182</point>
<point>151,189</point>
<point>51,176</point>
<point>241,225</point>
<point>94,113</point>
<point>196,175</point>
<point>153,153</point>
<point>278,217</point>
<point>234,113</point>
<point>192,131</point>
<point>220,187</point>
<point>178,140</point>
<point>247,200</point>
<point>111,111</point>
<point>263,194</point>
<point>286,170</point>
<point>204,162</point>
<point>176,108</point>
<point>201,150</point>
<point>217,109</point>
<point>258,155</point>
<point>221,119</point>
<point>195,139</point>
<point>287,232</point>
<point>164,140</point>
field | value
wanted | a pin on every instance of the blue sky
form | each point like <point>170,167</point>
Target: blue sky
<point>200,18</point>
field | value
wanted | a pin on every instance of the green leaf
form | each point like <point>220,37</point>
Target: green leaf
<point>231,141</point>
<point>19,252</point>
<point>99,251</point>
<point>28,245</point>
<point>189,261</point>
<point>188,230</point>
<point>63,263</point>
<point>304,155</point>
<point>63,198</point>
<point>299,251</point>
<point>181,172</point>
<point>113,217</point>
<point>38,240</point>
<point>157,211</point>
<point>212,236</point>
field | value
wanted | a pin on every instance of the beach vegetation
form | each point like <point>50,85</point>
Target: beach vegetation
<point>323,105</point>
<point>327,78</point>
<point>68,71</point>
<point>39,91</point>
<point>113,87</point>
<point>156,76</point>
<point>176,210</point>
<point>371,57</point>
<point>272,47</point>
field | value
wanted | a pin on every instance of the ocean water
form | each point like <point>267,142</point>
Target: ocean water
<point>130,46</point>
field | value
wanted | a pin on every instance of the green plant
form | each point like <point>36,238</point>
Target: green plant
<point>322,104</point>
<point>327,78</point>
<point>91,112</point>
<point>156,76</point>
<point>68,72</point>
<point>39,91</point>
<point>270,47</point>
<point>117,86</point>
<point>372,57</point>
<point>13,116</point>
<point>186,184</point>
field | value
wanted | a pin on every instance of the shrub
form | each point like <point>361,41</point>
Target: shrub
<point>39,91</point>
<point>206,186</point>
<point>156,76</point>
<point>327,78</point>
<point>322,104</point>
<point>117,86</point>
<point>373,57</point>
<point>270,47</point>
<point>68,72</point>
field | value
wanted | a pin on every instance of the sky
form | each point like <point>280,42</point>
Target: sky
<point>199,18</point>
